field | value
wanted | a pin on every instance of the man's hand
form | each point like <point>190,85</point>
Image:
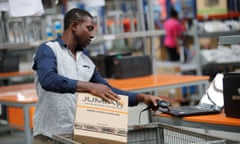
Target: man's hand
<point>104,92</point>
<point>148,99</point>
<point>99,90</point>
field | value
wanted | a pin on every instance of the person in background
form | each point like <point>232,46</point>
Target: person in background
<point>173,29</point>
<point>61,70</point>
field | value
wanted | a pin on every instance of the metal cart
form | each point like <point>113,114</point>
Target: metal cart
<point>156,133</point>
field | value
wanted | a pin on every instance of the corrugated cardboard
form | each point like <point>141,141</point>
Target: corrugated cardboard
<point>99,122</point>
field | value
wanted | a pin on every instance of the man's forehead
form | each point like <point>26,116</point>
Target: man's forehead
<point>89,20</point>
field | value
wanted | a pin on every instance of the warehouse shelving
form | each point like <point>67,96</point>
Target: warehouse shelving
<point>18,46</point>
<point>99,39</point>
<point>220,16</point>
<point>142,33</point>
<point>197,35</point>
<point>148,33</point>
<point>233,39</point>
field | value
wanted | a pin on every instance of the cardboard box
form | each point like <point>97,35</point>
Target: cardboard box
<point>211,7</point>
<point>99,122</point>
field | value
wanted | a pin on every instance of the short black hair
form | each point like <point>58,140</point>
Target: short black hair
<point>173,12</point>
<point>75,14</point>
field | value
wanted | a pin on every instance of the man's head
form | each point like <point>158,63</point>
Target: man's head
<point>80,23</point>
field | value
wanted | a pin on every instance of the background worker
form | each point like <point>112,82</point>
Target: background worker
<point>62,69</point>
<point>174,30</point>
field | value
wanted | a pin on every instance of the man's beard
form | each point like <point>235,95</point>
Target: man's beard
<point>79,48</point>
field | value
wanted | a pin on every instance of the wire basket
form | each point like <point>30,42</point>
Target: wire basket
<point>156,133</point>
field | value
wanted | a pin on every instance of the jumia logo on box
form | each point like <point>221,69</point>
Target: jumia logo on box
<point>116,104</point>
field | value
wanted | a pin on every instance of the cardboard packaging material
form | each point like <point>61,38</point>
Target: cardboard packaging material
<point>99,122</point>
<point>211,7</point>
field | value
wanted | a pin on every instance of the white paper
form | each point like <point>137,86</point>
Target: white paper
<point>20,8</point>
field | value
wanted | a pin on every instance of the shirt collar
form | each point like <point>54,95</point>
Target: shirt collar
<point>61,42</point>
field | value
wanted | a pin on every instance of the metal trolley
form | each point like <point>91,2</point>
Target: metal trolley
<point>156,133</point>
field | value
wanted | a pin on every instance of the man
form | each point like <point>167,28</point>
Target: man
<point>62,70</point>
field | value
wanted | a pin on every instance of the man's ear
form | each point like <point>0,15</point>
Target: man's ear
<point>74,25</point>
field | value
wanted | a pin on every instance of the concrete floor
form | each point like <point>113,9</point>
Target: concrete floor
<point>13,137</point>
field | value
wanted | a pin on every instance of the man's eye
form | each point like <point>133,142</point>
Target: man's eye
<point>90,28</point>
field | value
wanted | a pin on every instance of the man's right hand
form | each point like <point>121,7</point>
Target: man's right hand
<point>99,90</point>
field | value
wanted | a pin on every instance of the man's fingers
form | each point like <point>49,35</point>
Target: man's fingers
<point>109,96</point>
<point>113,98</point>
<point>113,95</point>
<point>106,99</point>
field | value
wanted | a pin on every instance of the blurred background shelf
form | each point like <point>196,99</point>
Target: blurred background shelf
<point>233,39</point>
